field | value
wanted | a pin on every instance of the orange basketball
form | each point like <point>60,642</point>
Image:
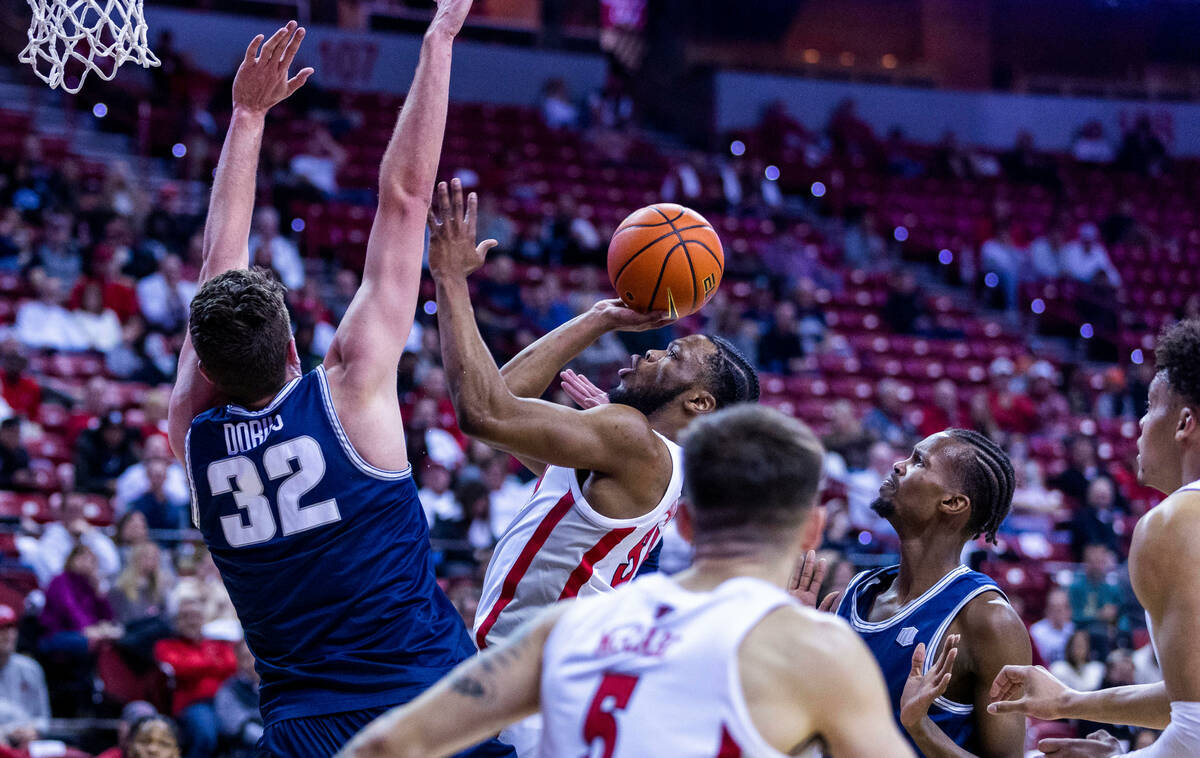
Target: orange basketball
<point>665,257</point>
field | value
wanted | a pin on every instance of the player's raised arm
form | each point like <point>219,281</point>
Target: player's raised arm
<point>473,702</point>
<point>261,82</point>
<point>366,349</point>
<point>606,439</point>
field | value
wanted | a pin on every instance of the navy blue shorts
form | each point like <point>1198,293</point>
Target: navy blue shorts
<point>322,736</point>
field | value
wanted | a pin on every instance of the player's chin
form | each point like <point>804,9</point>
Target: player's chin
<point>883,506</point>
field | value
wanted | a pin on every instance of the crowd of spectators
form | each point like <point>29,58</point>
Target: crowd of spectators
<point>103,266</point>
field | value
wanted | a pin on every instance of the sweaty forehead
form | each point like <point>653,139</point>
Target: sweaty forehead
<point>939,448</point>
<point>696,346</point>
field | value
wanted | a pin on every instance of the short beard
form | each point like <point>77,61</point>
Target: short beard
<point>648,401</point>
<point>885,508</point>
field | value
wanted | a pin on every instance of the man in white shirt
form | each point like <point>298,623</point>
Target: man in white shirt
<point>45,323</point>
<point>1052,633</point>
<point>281,254</point>
<point>24,701</point>
<point>437,499</point>
<point>165,295</point>
<point>135,482</point>
<point>1085,257</point>
<point>60,537</point>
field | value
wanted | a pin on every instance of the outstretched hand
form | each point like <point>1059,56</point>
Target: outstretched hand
<point>450,16</point>
<point>1098,744</point>
<point>1031,690</point>
<point>262,78</point>
<point>452,248</point>
<point>619,317</point>
<point>580,389</point>
<point>922,688</point>
<point>807,579</point>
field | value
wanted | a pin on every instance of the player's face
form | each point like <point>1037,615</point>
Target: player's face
<point>1158,460</point>
<point>917,484</point>
<point>654,379</point>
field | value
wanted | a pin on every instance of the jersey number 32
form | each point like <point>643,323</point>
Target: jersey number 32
<point>256,523</point>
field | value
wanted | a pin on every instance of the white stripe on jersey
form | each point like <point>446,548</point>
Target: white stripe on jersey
<point>559,547</point>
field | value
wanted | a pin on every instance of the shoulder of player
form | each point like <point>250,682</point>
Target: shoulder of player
<point>626,426</point>
<point>1166,534</point>
<point>822,640</point>
<point>989,624</point>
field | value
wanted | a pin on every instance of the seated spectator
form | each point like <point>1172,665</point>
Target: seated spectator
<point>15,241</point>
<point>847,437</point>
<point>437,499</point>
<point>98,325</point>
<point>427,441</point>
<point>1141,149</point>
<point>199,578</point>
<point>103,453</point>
<point>142,356</point>
<point>200,667</point>
<point>165,295</point>
<point>1046,254</point>
<point>58,254</point>
<point>1052,633</point>
<point>153,737</point>
<point>863,246</point>
<point>116,289</point>
<point>140,591</point>
<point>71,530</point>
<point>318,166</point>
<point>1095,523</point>
<point>887,420</point>
<point>1053,411</point>
<point>1084,258</point>
<point>131,714</point>
<point>814,324</point>
<point>1115,400</point>
<point>904,310</point>
<point>1095,597</point>
<point>160,510</point>
<point>557,109</point>
<point>168,506</point>
<point>474,499</point>
<point>21,391</point>
<point>236,706</point>
<point>1001,256</point>
<point>945,411</point>
<point>781,347</point>
<point>14,458</point>
<point>24,700</point>
<point>268,248</point>
<point>545,308</point>
<point>1083,466</point>
<point>507,494</point>
<point>155,405</point>
<point>1031,496</point>
<point>76,618</point>
<point>1077,669</point>
<point>1025,165</point>
<point>1012,411</point>
<point>862,489</point>
<point>682,182</point>
<point>44,323</point>
<point>99,399</point>
<point>1090,144</point>
<point>345,286</point>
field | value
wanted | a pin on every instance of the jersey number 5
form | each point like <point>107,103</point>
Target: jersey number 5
<point>240,476</point>
<point>612,695</point>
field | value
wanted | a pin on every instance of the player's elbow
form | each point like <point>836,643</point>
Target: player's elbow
<point>398,197</point>
<point>475,422</point>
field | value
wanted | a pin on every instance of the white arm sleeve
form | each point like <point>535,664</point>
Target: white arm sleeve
<point>1181,738</point>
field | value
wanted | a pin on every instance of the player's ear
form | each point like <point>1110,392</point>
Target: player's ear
<point>1186,425</point>
<point>814,528</point>
<point>955,503</point>
<point>203,373</point>
<point>293,359</point>
<point>683,522</point>
<point>699,401</point>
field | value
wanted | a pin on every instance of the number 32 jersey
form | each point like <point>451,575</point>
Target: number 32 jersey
<point>325,557</point>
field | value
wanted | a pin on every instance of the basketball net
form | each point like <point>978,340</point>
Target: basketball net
<point>95,36</point>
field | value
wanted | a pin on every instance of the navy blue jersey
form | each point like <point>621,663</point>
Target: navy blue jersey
<point>925,619</point>
<point>325,556</point>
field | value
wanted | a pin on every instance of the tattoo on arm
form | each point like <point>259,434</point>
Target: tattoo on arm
<point>474,680</point>
<point>467,686</point>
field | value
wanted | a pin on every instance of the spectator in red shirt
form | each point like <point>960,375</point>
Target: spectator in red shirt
<point>20,390</point>
<point>117,290</point>
<point>201,666</point>
<point>1013,412</point>
<point>98,400</point>
<point>945,411</point>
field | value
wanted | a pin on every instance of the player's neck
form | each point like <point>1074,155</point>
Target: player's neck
<point>261,403</point>
<point>709,571</point>
<point>924,561</point>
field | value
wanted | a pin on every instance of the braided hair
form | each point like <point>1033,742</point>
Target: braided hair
<point>1178,358</point>
<point>730,376</point>
<point>987,478</point>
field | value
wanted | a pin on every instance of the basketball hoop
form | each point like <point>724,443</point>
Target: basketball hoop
<point>96,35</point>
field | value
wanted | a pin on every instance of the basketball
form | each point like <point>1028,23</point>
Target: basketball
<point>665,257</point>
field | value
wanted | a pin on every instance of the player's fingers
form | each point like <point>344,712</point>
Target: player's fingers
<point>797,573</point>
<point>443,194</point>
<point>293,47</point>
<point>1008,676</point>
<point>942,684</point>
<point>819,574</point>
<point>253,48</point>
<point>472,211</point>
<point>918,659</point>
<point>483,247</point>
<point>830,601</point>
<point>946,665</point>
<point>297,81</point>
<point>1008,706</point>
<point>1052,745</point>
<point>431,221</point>
<point>272,45</point>
<point>456,200</point>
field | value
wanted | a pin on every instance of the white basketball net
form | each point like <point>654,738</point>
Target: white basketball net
<point>90,36</point>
